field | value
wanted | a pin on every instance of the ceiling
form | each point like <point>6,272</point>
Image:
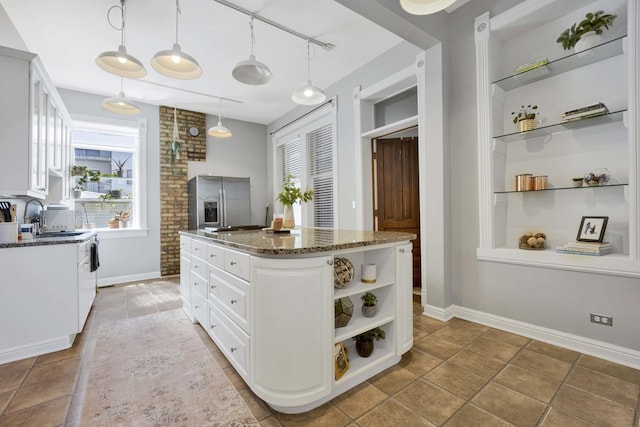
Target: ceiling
<point>69,34</point>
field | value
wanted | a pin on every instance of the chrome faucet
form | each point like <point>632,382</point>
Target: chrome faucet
<point>41,220</point>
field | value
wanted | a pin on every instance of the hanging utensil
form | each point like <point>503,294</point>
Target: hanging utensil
<point>12,212</point>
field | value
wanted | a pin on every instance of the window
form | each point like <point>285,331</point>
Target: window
<point>306,149</point>
<point>112,156</point>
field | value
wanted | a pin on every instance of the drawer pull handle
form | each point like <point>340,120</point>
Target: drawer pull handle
<point>401,251</point>
<point>233,301</point>
<point>196,249</point>
<point>233,349</point>
<point>233,263</point>
<point>197,307</point>
<point>213,286</point>
<point>195,283</point>
<point>213,255</point>
<point>196,266</point>
<point>330,261</point>
<point>213,326</point>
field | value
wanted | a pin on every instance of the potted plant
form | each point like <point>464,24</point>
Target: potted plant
<point>119,164</point>
<point>113,223</point>
<point>369,304</point>
<point>577,181</point>
<point>123,217</point>
<point>85,175</point>
<point>526,117</point>
<point>364,341</point>
<point>587,33</point>
<point>289,195</point>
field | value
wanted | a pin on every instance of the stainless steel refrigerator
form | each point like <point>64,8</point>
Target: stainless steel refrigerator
<point>216,201</point>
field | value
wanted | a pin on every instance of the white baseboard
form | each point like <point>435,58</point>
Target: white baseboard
<point>611,352</point>
<point>36,349</point>
<point>108,281</point>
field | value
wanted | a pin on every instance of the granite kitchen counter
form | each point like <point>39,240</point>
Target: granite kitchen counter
<point>299,241</point>
<point>51,239</point>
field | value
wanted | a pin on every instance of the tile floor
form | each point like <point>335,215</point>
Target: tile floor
<point>457,374</point>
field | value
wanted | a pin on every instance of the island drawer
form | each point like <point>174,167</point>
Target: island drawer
<point>230,295</point>
<point>198,284</point>
<point>237,263</point>
<point>199,267</point>
<point>199,248</point>
<point>185,243</point>
<point>231,340</point>
<point>215,256</point>
<point>199,305</point>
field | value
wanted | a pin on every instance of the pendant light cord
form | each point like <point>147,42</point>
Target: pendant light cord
<point>178,12</point>
<point>253,39</point>
<point>122,18</point>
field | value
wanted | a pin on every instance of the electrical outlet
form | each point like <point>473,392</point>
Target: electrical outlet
<point>601,319</point>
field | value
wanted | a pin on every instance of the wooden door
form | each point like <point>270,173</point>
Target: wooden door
<point>398,199</point>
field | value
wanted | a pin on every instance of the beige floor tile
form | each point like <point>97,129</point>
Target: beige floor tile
<point>258,408</point>
<point>460,335</point>
<point>271,421</point>
<point>418,334</point>
<point>495,349</point>
<point>431,402</point>
<point>564,354</point>
<point>4,399</point>
<point>235,378</point>
<point>509,405</point>
<point>456,380</point>
<point>74,352</point>
<point>507,337</point>
<point>326,415</point>
<point>18,365</point>
<point>392,413</point>
<point>359,400</point>
<point>557,418</point>
<point>221,359</point>
<point>592,408</point>
<point>427,324</point>
<point>542,364</point>
<point>527,382</point>
<point>49,414</point>
<point>10,379</point>
<point>603,385</point>
<point>471,415</point>
<point>418,362</point>
<point>481,329</point>
<point>392,380</point>
<point>437,347</point>
<point>610,368</point>
<point>478,364</point>
<point>52,371</point>
<point>40,393</point>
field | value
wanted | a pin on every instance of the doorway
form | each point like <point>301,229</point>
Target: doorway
<point>396,189</point>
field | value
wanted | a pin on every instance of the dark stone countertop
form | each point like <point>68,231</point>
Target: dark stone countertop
<point>50,239</point>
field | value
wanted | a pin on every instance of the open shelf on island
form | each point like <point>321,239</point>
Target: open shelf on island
<point>563,188</point>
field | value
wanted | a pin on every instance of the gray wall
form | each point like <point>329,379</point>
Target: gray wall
<point>243,154</point>
<point>389,62</point>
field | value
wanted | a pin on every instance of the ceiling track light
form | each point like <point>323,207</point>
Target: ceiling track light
<point>251,72</point>
<point>174,62</point>
<point>308,94</point>
<point>425,7</point>
<point>120,104</point>
<point>219,131</point>
<point>119,62</point>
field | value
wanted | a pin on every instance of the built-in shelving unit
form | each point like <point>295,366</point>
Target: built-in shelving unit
<point>605,73</point>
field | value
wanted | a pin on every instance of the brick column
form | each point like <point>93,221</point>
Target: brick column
<point>173,181</point>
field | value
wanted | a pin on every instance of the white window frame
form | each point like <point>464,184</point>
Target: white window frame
<point>297,130</point>
<point>139,202</point>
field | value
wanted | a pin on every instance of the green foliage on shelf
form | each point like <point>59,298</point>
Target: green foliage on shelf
<point>524,113</point>
<point>369,299</point>
<point>370,335</point>
<point>592,22</point>
<point>85,174</point>
<point>291,194</point>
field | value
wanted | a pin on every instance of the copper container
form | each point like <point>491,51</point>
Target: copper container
<point>539,182</point>
<point>523,182</point>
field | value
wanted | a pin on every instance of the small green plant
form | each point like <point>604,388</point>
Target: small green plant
<point>592,22</point>
<point>123,215</point>
<point>370,335</point>
<point>104,200</point>
<point>119,164</point>
<point>85,174</point>
<point>291,194</point>
<point>524,113</point>
<point>369,299</point>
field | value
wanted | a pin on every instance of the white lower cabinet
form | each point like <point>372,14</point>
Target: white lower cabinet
<point>273,317</point>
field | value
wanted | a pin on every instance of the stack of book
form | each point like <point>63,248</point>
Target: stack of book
<point>587,112</point>
<point>536,63</point>
<point>585,248</point>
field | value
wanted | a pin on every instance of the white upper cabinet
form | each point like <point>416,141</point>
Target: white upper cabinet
<point>34,125</point>
<point>605,73</point>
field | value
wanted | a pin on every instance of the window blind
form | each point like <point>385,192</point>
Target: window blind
<point>320,170</point>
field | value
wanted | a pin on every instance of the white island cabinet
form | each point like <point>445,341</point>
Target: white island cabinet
<point>271,301</point>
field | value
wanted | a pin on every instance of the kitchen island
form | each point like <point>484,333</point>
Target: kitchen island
<point>268,301</point>
<point>46,292</point>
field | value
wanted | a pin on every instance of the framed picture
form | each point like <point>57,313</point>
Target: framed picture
<point>592,229</point>
<point>341,360</point>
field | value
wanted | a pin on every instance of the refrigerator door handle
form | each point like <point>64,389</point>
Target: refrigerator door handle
<point>224,207</point>
<point>221,211</point>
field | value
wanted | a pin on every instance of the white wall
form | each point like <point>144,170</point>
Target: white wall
<point>9,36</point>
<point>243,154</point>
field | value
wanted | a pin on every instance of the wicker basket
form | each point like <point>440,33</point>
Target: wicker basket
<point>342,272</point>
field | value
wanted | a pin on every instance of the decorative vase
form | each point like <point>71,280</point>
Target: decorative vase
<point>124,224</point>
<point>369,310</point>
<point>77,194</point>
<point>289,221</point>
<point>527,124</point>
<point>587,41</point>
<point>114,223</point>
<point>343,311</point>
<point>364,348</point>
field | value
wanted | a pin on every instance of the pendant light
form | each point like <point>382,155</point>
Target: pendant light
<point>174,62</point>
<point>425,7</point>
<point>219,131</point>
<point>120,104</point>
<point>252,72</point>
<point>119,62</point>
<point>308,94</point>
